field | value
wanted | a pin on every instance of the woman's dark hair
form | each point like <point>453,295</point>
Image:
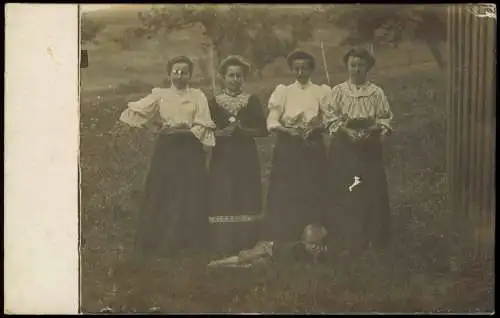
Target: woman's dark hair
<point>301,55</point>
<point>234,60</point>
<point>180,59</point>
<point>361,53</point>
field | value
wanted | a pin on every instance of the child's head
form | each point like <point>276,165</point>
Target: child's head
<point>314,233</point>
<point>313,237</point>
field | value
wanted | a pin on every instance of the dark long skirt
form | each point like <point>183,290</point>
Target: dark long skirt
<point>297,187</point>
<point>174,215</point>
<point>360,216</point>
<point>235,187</point>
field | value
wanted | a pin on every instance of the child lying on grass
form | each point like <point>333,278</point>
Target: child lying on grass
<point>309,249</point>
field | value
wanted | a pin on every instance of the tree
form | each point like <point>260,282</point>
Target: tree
<point>223,27</point>
<point>230,29</point>
<point>267,45</point>
<point>89,29</point>
<point>373,24</point>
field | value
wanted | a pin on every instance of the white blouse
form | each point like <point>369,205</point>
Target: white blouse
<point>348,102</point>
<point>188,107</point>
<point>297,105</point>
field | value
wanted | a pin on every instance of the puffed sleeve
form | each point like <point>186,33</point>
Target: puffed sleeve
<point>333,118</point>
<point>142,111</point>
<point>383,113</point>
<point>203,125</point>
<point>276,107</point>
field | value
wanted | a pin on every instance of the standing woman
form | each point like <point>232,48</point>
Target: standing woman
<point>297,185</point>
<point>359,119</point>
<point>173,216</point>
<point>235,174</point>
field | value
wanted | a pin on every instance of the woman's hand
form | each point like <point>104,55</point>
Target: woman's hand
<point>286,130</point>
<point>228,131</point>
<point>369,132</point>
<point>364,134</point>
<point>312,130</point>
<point>352,134</point>
<point>294,132</point>
<point>384,133</point>
<point>306,133</point>
<point>375,130</point>
<point>291,131</point>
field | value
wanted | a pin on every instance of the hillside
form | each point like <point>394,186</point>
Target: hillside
<point>144,60</point>
<point>121,17</point>
<point>117,14</point>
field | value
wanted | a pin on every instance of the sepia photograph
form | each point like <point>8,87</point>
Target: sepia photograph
<point>287,158</point>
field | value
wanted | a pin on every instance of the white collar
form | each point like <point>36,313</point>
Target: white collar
<point>352,85</point>
<point>363,90</point>
<point>303,86</point>
<point>232,94</point>
<point>180,91</point>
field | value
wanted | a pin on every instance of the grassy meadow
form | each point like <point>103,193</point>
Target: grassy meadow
<point>430,267</point>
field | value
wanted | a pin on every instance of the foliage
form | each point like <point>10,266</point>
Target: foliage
<point>233,29</point>
<point>266,45</point>
<point>219,27</point>
<point>392,24</point>
<point>89,29</point>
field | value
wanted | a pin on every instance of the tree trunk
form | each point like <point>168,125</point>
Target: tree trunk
<point>217,49</point>
<point>213,66</point>
<point>371,48</point>
<point>436,53</point>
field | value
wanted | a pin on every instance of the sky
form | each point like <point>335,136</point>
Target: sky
<point>93,7</point>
